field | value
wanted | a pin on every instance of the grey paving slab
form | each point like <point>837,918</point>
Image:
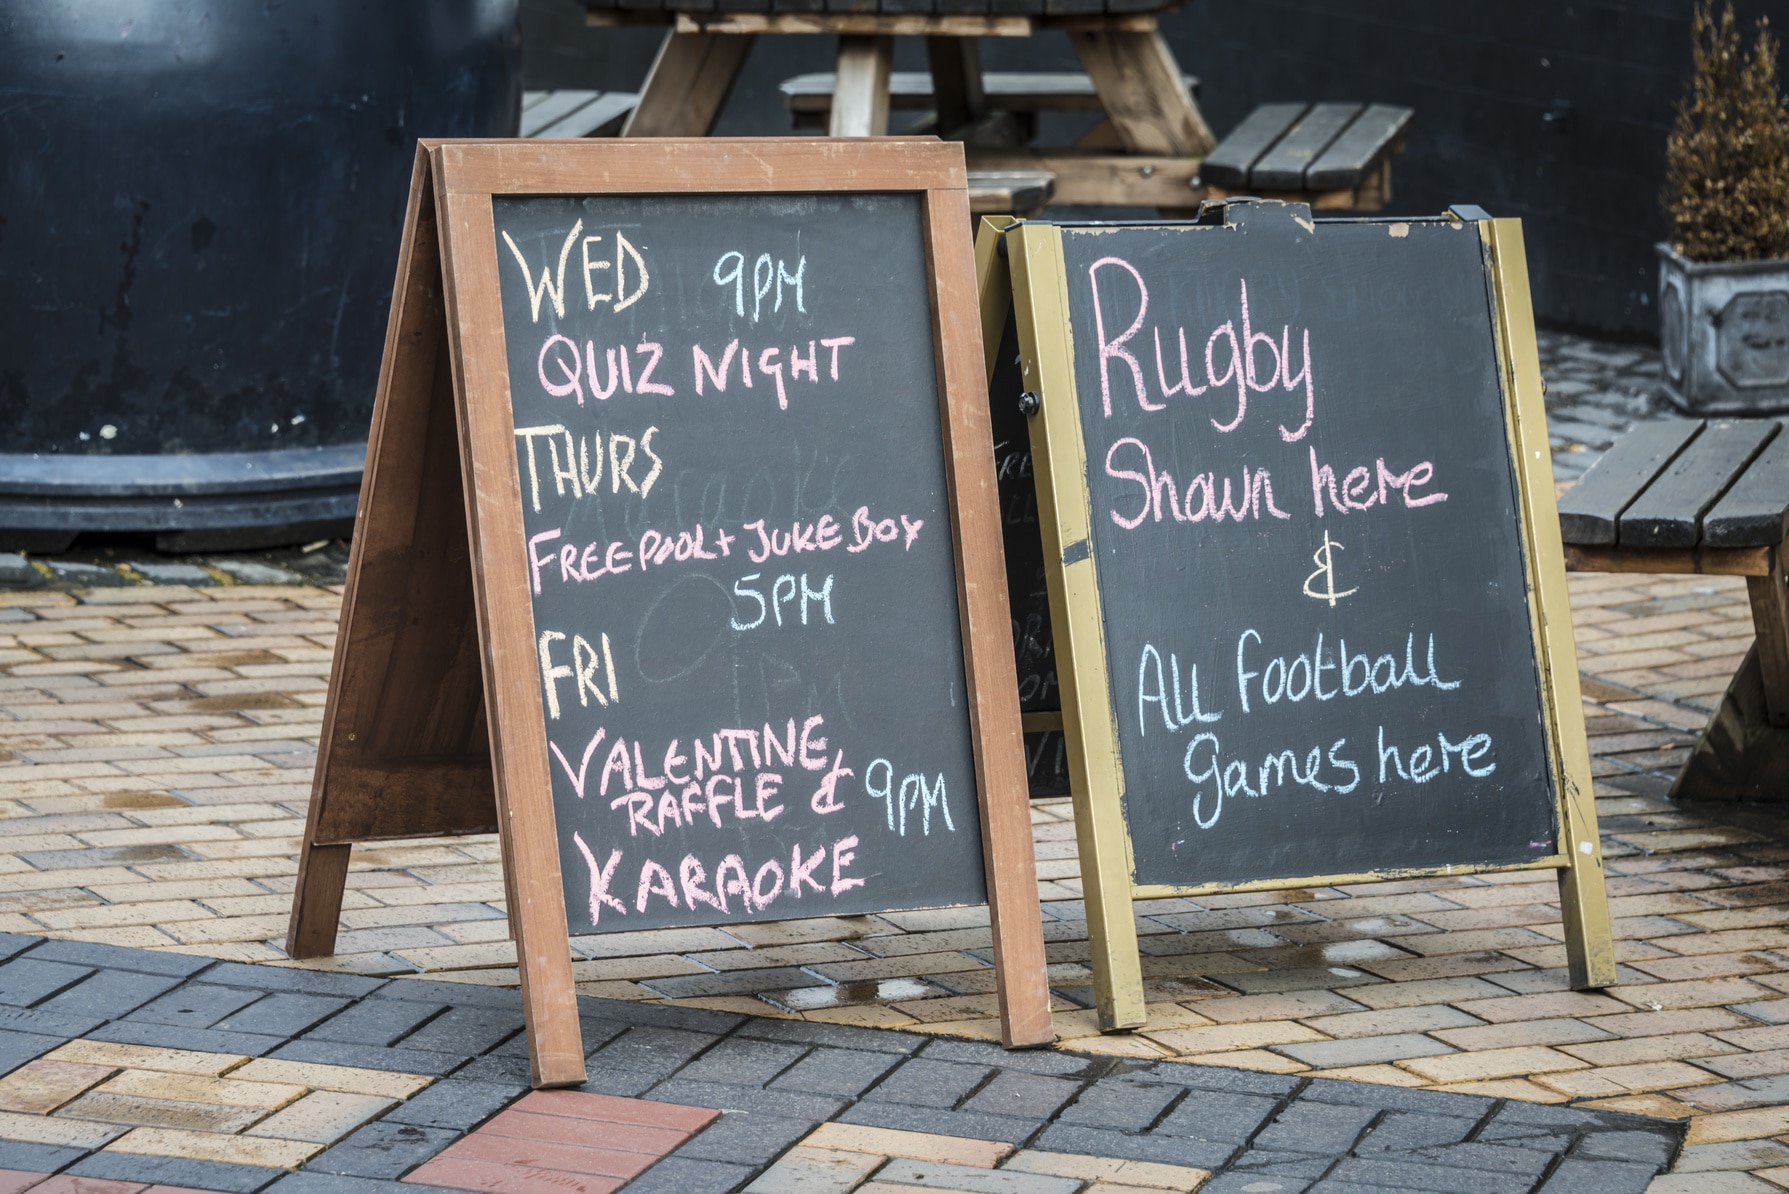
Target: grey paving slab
<point>1381,1174</point>
<point>383,1149</point>
<point>466,1031</point>
<point>746,1137</point>
<point>174,1036</point>
<point>1169,1150</point>
<point>174,1171</point>
<point>1615,1145</point>
<point>1306,1127</point>
<point>724,1097</point>
<point>1219,1115</point>
<point>117,957</point>
<point>742,1061</point>
<point>927,1083</point>
<point>690,1175</point>
<point>195,1005</point>
<point>26,981</point>
<point>293,978</point>
<point>842,1036</point>
<point>1402,1131</point>
<point>409,1061</point>
<point>109,993</point>
<point>282,1014</point>
<point>1126,1106</point>
<point>1210,1077</point>
<point>16,1048</point>
<point>1027,1096</point>
<point>339,1183</point>
<point>379,1022</point>
<point>36,1158</point>
<point>945,1123</point>
<point>836,1071</point>
<point>1599,1177</point>
<point>651,1050</point>
<point>456,1103</point>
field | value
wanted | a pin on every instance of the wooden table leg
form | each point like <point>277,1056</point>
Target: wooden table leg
<point>317,901</point>
<point>1770,617</point>
<point>688,84</point>
<point>860,92</point>
<point>1144,95</point>
<point>956,82</point>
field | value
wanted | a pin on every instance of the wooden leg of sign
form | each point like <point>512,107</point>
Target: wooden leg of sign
<point>317,900</point>
<point>506,641</point>
<point>1009,858</point>
<point>860,93</point>
<point>1770,617</point>
<point>1144,94</point>
<point>688,84</point>
<point>1583,898</point>
<point>389,765</point>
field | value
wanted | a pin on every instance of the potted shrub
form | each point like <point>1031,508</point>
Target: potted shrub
<point>1724,275</point>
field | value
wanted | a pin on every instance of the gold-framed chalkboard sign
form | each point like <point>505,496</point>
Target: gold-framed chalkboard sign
<point>678,558</point>
<point>1302,551</point>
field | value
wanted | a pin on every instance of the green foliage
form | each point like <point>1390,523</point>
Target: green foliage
<point>1727,161</point>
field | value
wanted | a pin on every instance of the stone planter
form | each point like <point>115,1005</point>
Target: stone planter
<point>1724,334</point>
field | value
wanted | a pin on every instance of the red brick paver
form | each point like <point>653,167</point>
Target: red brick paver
<point>566,1142</point>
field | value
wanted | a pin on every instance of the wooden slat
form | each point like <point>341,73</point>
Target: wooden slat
<point>1770,619</point>
<point>1009,862</point>
<point>1669,513</point>
<point>1010,91</point>
<point>1143,92</point>
<point>690,165</point>
<point>1373,134</point>
<point>1229,164</point>
<point>1282,167</point>
<point>688,85</point>
<point>1704,561</point>
<point>1590,511</point>
<point>601,117</point>
<point>1104,178</point>
<point>1017,192</point>
<point>493,511</point>
<point>553,107</point>
<point>1755,511</point>
<point>860,107</point>
<point>866,24</point>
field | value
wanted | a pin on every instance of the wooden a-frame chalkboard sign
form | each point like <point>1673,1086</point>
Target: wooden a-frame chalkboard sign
<point>678,561</point>
<point>1306,590</point>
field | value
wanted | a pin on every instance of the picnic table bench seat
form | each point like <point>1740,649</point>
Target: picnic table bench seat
<point>1707,496</point>
<point>809,97</point>
<point>1328,155</point>
<point>575,113</point>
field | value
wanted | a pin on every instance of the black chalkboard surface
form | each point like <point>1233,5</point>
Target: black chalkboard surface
<point>739,539</point>
<point>1306,530</point>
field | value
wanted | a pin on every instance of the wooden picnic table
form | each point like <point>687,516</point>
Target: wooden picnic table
<point>1706,497</point>
<point>1146,150</point>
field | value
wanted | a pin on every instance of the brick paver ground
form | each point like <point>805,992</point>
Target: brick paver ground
<point>139,1066</point>
<point>155,752</point>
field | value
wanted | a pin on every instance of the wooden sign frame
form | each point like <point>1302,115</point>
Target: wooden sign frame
<point>1021,271</point>
<point>434,723</point>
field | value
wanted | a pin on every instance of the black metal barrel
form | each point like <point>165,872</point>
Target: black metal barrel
<point>200,207</point>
